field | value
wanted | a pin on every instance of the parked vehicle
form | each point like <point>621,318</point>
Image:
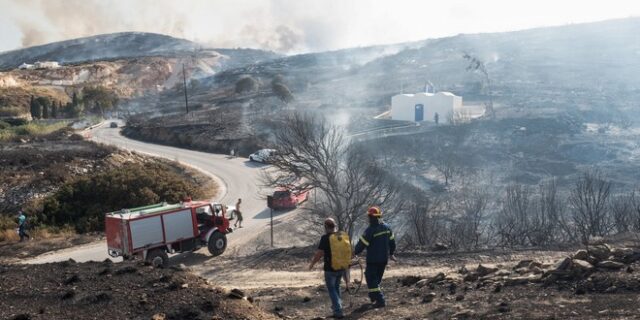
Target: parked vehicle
<point>231,211</point>
<point>113,125</point>
<point>151,232</point>
<point>262,155</point>
<point>285,198</point>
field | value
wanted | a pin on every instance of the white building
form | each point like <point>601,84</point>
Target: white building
<point>425,106</point>
<point>25,66</point>
<point>46,64</point>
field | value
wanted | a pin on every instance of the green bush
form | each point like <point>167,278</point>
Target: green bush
<point>83,202</point>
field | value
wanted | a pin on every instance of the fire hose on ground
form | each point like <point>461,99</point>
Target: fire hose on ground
<point>354,287</point>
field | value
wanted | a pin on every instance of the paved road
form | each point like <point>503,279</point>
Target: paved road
<point>237,177</point>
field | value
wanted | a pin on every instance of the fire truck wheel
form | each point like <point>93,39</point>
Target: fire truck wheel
<point>157,258</point>
<point>217,243</point>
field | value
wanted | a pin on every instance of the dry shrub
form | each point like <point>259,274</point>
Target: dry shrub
<point>9,235</point>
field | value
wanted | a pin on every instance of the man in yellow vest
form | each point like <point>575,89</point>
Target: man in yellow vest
<point>336,249</point>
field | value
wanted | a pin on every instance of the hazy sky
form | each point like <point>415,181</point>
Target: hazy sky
<point>291,26</point>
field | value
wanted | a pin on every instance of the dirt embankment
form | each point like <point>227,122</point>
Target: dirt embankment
<point>217,131</point>
<point>102,290</point>
<point>33,170</point>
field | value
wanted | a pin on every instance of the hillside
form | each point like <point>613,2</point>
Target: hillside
<point>565,100</point>
<point>130,64</point>
<point>123,45</point>
<point>574,65</point>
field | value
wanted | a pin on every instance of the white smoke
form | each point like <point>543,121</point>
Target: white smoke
<point>289,26</point>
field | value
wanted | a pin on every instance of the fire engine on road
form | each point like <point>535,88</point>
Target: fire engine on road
<point>151,232</point>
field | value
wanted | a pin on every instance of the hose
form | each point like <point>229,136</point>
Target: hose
<point>354,286</point>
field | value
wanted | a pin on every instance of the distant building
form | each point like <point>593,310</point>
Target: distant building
<point>425,106</point>
<point>25,66</point>
<point>46,65</point>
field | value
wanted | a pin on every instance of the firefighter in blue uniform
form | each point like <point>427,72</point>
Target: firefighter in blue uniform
<point>380,243</point>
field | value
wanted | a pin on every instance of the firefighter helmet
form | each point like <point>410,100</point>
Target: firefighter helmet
<point>374,212</point>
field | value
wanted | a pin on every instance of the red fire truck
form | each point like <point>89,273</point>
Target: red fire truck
<point>151,232</point>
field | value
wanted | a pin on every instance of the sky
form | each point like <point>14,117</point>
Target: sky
<point>291,26</point>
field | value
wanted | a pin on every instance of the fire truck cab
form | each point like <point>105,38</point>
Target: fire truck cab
<point>152,232</point>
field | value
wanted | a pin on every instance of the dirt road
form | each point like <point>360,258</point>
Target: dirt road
<point>237,177</point>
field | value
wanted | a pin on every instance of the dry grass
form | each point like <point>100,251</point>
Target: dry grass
<point>9,235</point>
<point>41,233</point>
<point>30,130</point>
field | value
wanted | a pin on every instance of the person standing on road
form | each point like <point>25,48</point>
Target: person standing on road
<point>380,243</point>
<point>239,219</point>
<point>335,247</point>
<point>22,226</point>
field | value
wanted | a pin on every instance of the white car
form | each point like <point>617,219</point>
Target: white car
<point>231,210</point>
<point>262,155</point>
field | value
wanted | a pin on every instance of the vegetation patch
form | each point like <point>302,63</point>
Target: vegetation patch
<point>28,130</point>
<point>82,203</point>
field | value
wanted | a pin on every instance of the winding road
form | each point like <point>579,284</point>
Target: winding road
<point>237,178</point>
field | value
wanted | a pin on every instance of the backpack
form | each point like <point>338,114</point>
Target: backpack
<point>340,251</point>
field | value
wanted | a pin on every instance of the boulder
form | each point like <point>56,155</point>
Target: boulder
<point>591,259</point>
<point>428,297</point>
<point>516,281</point>
<point>464,314</point>
<point>581,254</point>
<point>470,277</point>
<point>502,273</point>
<point>523,264</point>
<point>463,270</point>
<point>440,247</point>
<point>621,252</point>
<point>437,278</point>
<point>409,280</point>
<point>600,252</point>
<point>422,283</point>
<point>537,270</point>
<point>483,271</point>
<point>581,266</point>
<point>631,257</point>
<point>535,264</point>
<point>611,265</point>
<point>237,294</point>
<point>562,265</point>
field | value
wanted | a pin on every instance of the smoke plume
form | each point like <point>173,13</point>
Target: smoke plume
<point>287,26</point>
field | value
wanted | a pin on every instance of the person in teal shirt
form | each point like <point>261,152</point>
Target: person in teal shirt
<point>22,226</point>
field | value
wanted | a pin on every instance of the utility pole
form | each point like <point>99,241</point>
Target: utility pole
<point>184,79</point>
<point>271,227</point>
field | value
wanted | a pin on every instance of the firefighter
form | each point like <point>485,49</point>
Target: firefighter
<point>380,243</point>
<point>22,226</point>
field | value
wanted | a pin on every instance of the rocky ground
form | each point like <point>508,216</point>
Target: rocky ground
<point>102,290</point>
<point>598,283</point>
